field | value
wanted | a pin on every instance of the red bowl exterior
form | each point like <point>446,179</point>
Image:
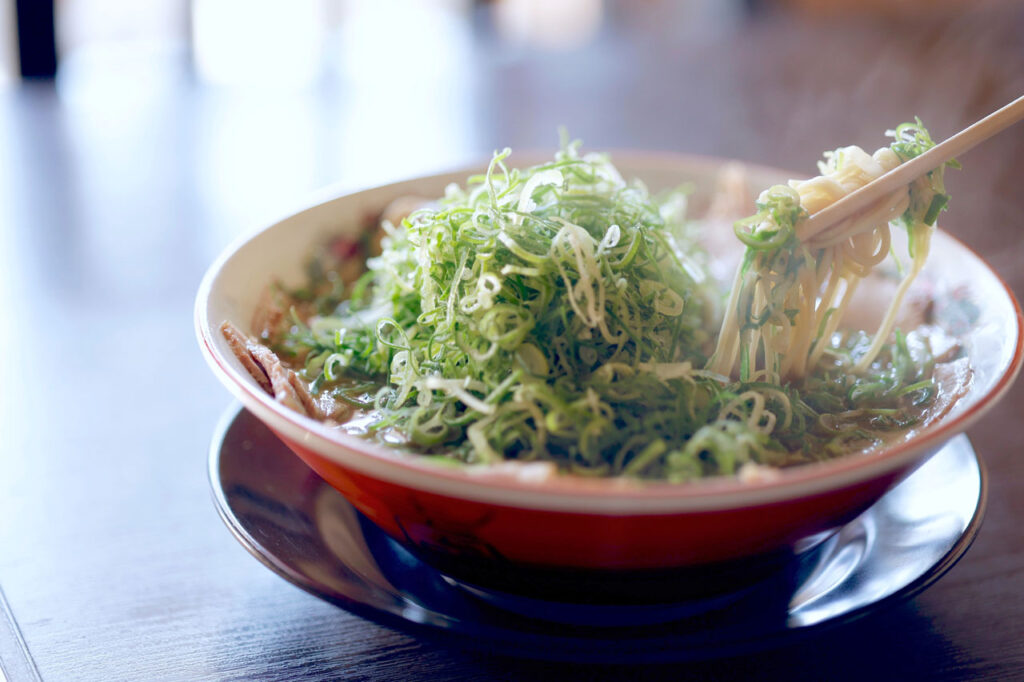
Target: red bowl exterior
<point>431,525</point>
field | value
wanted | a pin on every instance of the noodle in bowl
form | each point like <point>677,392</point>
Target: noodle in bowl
<point>515,515</point>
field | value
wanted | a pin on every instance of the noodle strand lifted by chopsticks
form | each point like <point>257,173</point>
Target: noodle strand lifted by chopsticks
<point>792,289</point>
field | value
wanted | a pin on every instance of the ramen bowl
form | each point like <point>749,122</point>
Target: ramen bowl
<point>494,524</point>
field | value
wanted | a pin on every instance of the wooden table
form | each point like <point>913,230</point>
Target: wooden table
<point>121,183</point>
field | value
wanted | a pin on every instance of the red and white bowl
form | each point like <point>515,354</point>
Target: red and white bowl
<point>471,515</point>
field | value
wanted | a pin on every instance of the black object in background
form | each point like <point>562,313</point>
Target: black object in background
<point>37,46</point>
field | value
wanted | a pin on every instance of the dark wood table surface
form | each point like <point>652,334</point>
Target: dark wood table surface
<point>122,181</point>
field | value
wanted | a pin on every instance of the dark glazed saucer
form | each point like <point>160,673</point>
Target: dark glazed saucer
<point>306,532</point>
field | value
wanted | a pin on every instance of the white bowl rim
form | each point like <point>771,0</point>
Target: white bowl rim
<point>567,493</point>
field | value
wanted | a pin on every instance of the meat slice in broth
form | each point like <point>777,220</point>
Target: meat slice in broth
<point>268,371</point>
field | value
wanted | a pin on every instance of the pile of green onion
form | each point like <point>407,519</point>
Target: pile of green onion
<point>563,314</point>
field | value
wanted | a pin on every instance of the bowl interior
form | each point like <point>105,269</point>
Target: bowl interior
<point>970,300</point>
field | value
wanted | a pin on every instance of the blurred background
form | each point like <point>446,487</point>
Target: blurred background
<point>214,114</point>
